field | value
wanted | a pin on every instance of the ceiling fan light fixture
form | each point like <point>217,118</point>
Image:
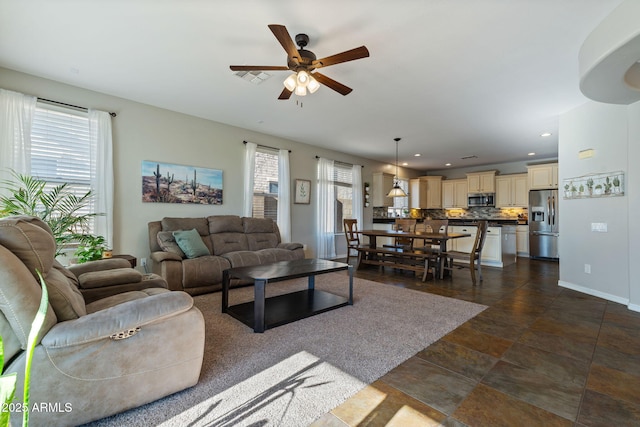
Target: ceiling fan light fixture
<point>290,82</point>
<point>303,78</point>
<point>300,90</point>
<point>313,85</point>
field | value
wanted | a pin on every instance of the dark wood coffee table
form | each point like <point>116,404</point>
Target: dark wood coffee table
<point>264,313</point>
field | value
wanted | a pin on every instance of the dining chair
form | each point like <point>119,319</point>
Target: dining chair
<point>432,247</point>
<point>472,259</point>
<point>352,236</point>
<point>409,226</point>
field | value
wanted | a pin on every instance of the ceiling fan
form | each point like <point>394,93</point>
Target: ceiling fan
<point>304,63</point>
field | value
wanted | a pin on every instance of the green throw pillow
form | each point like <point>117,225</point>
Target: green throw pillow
<point>191,243</point>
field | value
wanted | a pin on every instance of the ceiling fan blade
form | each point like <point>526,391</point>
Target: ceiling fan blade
<point>329,82</point>
<point>258,68</point>
<point>349,55</point>
<point>281,33</point>
<point>285,94</point>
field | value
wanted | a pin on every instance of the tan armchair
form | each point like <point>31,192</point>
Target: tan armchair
<point>81,360</point>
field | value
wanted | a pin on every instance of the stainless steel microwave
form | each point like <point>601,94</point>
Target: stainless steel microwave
<point>481,199</point>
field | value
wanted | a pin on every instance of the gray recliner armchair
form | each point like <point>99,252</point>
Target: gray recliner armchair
<point>92,360</point>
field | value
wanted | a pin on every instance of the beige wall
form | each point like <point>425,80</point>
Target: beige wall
<point>612,131</point>
<point>142,132</point>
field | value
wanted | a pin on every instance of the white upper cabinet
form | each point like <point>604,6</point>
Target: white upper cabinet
<point>382,184</point>
<point>454,193</point>
<point>512,191</point>
<point>542,177</point>
<point>425,192</point>
<point>481,182</point>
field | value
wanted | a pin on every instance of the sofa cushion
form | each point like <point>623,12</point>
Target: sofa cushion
<point>259,241</point>
<point>168,243</point>
<point>191,243</point>
<point>229,242</point>
<point>176,224</point>
<point>203,271</point>
<point>258,225</point>
<point>225,224</point>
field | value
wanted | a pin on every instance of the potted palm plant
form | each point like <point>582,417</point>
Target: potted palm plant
<point>64,212</point>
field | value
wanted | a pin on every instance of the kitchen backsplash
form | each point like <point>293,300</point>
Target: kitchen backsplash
<point>471,213</point>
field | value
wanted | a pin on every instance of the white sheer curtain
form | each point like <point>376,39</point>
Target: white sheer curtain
<point>284,196</point>
<point>357,194</point>
<point>249,169</point>
<point>325,214</point>
<point>16,117</point>
<point>102,172</point>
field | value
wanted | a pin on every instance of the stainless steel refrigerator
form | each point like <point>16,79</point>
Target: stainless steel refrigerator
<point>543,224</point>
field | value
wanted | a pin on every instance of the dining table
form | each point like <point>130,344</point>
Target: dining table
<point>368,253</point>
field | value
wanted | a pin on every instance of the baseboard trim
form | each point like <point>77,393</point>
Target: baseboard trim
<point>595,293</point>
<point>634,307</point>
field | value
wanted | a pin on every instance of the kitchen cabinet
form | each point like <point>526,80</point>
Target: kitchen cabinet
<point>522,240</point>
<point>512,191</point>
<point>481,182</point>
<point>425,192</point>
<point>382,184</point>
<point>454,193</point>
<point>542,177</point>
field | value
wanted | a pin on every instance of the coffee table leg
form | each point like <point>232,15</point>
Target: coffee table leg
<point>258,305</point>
<point>312,282</point>
<point>225,291</point>
<point>350,285</point>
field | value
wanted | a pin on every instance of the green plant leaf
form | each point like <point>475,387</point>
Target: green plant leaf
<point>7,393</point>
<point>36,325</point>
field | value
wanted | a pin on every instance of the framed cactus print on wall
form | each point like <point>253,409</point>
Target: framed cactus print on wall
<point>170,183</point>
<point>594,185</point>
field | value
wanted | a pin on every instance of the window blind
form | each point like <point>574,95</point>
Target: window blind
<point>61,149</point>
<point>265,184</point>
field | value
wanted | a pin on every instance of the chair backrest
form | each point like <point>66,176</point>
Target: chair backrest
<point>480,238</point>
<point>350,231</point>
<point>436,225</point>
<point>405,224</point>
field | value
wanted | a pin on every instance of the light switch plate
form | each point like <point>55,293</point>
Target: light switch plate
<point>600,227</point>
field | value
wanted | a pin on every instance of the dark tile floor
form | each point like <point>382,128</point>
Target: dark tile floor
<point>540,355</point>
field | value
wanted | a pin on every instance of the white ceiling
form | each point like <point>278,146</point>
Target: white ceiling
<point>453,78</point>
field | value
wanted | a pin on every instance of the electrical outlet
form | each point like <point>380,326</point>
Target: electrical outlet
<point>143,262</point>
<point>587,268</point>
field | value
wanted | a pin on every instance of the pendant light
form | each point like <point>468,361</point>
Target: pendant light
<point>396,191</point>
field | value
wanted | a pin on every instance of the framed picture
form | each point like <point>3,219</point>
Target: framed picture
<point>170,183</point>
<point>303,191</point>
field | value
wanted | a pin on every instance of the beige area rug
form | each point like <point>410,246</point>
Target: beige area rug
<point>293,374</point>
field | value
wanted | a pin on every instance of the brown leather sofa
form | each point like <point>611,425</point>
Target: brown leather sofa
<point>94,359</point>
<point>231,241</point>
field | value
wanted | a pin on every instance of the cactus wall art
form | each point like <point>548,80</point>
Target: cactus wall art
<point>161,184</point>
<point>594,185</point>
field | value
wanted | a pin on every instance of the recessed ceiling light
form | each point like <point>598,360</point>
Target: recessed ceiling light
<point>405,164</point>
<point>417,155</point>
<point>447,164</point>
<point>531,154</point>
<point>546,134</point>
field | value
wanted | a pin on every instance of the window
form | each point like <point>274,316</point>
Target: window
<point>265,184</point>
<point>343,184</point>
<point>61,150</point>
